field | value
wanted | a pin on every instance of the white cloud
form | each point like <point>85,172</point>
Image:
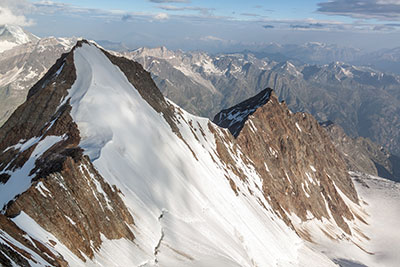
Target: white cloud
<point>211,38</point>
<point>14,11</point>
<point>389,2</point>
<point>161,16</point>
<point>202,10</point>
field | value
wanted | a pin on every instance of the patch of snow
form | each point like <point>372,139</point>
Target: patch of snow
<point>309,178</point>
<point>70,220</point>
<point>6,45</point>
<point>252,126</point>
<point>98,186</point>
<point>298,127</point>
<point>10,75</point>
<point>196,77</point>
<point>313,168</point>
<point>266,167</point>
<point>273,152</point>
<point>60,69</point>
<point>304,190</point>
<point>41,188</point>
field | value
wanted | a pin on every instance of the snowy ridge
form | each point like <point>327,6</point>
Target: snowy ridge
<point>185,210</point>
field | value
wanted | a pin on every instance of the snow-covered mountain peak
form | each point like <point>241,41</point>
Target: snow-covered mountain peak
<point>157,52</point>
<point>125,169</point>
<point>12,35</point>
<point>288,68</point>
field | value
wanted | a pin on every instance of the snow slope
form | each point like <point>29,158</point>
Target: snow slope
<point>375,242</point>
<point>185,211</point>
<point>382,202</point>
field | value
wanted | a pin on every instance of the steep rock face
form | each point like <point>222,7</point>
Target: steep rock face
<point>76,205</point>
<point>301,169</point>
<point>362,155</point>
<point>96,163</point>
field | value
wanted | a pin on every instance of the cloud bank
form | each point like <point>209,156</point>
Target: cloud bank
<point>385,10</point>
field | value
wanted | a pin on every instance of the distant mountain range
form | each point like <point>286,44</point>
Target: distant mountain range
<point>364,101</point>
<point>311,52</point>
<point>385,60</point>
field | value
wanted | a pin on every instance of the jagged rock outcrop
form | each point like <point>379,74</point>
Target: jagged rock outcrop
<point>301,169</point>
<point>234,117</point>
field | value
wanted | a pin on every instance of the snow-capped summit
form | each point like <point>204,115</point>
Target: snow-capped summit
<point>12,35</point>
<point>102,170</point>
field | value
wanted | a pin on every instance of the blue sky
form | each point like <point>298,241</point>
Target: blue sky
<point>212,24</point>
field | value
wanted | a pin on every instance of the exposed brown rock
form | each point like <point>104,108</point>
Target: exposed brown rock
<point>295,158</point>
<point>76,205</point>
